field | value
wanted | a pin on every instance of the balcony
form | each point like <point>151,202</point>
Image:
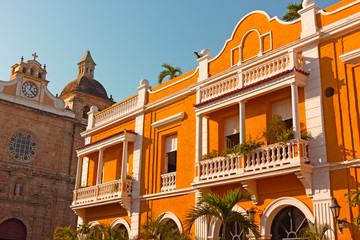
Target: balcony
<point>168,182</point>
<point>114,191</point>
<point>116,111</point>
<point>272,160</point>
<point>283,69</point>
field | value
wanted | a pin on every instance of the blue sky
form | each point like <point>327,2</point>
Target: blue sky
<point>128,39</point>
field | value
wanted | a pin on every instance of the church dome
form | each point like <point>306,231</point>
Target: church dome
<point>86,85</point>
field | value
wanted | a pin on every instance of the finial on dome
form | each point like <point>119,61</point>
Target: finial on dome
<point>307,3</point>
<point>22,59</point>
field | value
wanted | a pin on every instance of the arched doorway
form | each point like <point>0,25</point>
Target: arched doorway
<point>288,224</point>
<point>170,228</point>
<point>124,231</point>
<point>236,231</point>
<point>12,229</point>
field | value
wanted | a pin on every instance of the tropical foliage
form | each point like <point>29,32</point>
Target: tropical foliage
<point>88,232</point>
<point>211,204</point>
<point>277,131</point>
<point>170,71</point>
<point>315,231</point>
<point>353,197</point>
<point>292,13</point>
<point>161,230</point>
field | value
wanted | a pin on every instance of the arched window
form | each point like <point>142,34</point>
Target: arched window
<point>39,75</point>
<point>31,72</point>
<point>13,229</point>
<point>288,224</point>
<point>86,109</point>
<point>24,70</point>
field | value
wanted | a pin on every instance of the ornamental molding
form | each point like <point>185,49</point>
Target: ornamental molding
<point>351,57</point>
<point>169,120</point>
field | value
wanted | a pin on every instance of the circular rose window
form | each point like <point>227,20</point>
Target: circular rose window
<point>22,147</point>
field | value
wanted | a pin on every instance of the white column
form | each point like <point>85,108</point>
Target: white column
<point>78,170</point>
<point>198,137</point>
<point>201,225</point>
<point>205,135</point>
<point>100,167</point>
<point>242,121</point>
<point>124,160</point>
<point>295,110</point>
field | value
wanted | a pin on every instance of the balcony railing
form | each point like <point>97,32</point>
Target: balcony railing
<point>168,182</point>
<point>265,158</point>
<point>106,191</point>
<point>116,111</point>
<point>252,75</point>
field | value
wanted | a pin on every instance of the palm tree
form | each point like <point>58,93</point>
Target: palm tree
<point>315,231</point>
<point>170,71</point>
<point>292,13</point>
<point>211,204</point>
<point>162,230</point>
<point>88,232</point>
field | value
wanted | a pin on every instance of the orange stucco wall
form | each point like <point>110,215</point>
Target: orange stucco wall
<point>341,111</point>
<point>261,23</point>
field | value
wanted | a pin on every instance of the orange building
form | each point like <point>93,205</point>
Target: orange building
<point>143,156</point>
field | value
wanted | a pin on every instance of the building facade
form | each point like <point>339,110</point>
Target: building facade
<point>144,156</point>
<point>37,158</point>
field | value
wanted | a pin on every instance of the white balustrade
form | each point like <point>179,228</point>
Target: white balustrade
<point>219,88</point>
<point>267,157</point>
<point>218,167</point>
<point>109,190</point>
<point>116,111</point>
<point>274,155</point>
<point>252,75</point>
<point>168,182</point>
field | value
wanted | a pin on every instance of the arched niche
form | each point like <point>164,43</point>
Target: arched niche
<point>250,46</point>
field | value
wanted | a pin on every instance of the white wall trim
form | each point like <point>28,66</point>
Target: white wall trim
<point>241,20</point>
<point>351,57</point>
<point>274,207</point>
<point>161,195</point>
<point>339,9</point>
<point>169,120</point>
<point>130,137</point>
<point>94,223</point>
<point>121,221</point>
<point>170,215</point>
<point>174,83</point>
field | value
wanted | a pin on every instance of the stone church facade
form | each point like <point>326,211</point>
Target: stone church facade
<point>38,135</point>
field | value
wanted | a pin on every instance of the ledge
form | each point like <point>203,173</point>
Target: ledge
<point>351,57</point>
<point>169,120</point>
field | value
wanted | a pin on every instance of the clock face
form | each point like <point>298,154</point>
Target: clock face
<point>29,90</point>
<point>22,147</point>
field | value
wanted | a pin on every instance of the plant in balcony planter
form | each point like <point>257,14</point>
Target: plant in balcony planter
<point>247,146</point>
<point>305,135</point>
<point>277,131</point>
<point>83,186</point>
<point>210,155</point>
<point>129,176</point>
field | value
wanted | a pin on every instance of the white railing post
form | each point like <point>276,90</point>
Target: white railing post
<point>91,117</point>
<point>242,121</point>
<point>78,170</point>
<point>143,89</point>
<point>124,160</point>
